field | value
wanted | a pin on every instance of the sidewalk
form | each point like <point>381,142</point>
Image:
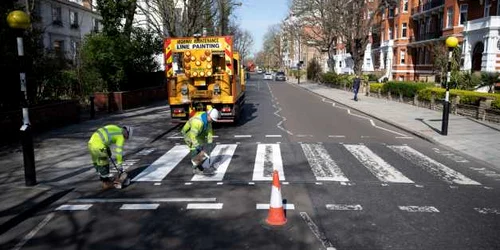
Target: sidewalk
<point>478,139</point>
<point>62,160</point>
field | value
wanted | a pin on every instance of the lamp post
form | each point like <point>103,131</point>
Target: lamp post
<point>20,21</point>
<point>451,43</point>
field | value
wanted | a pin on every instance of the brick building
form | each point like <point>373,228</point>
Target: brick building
<point>405,43</point>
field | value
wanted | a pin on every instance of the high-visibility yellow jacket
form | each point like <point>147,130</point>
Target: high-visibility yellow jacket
<point>196,129</point>
<point>107,136</point>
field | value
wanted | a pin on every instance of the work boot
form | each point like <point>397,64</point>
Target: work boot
<point>107,185</point>
<point>209,171</point>
<point>198,170</point>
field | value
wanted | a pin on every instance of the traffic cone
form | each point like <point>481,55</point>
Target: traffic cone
<point>276,216</point>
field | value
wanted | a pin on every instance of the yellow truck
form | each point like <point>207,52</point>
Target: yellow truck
<point>204,72</point>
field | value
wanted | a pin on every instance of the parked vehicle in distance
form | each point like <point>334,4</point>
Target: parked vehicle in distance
<point>259,71</point>
<point>280,76</point>
<point>268,76</point>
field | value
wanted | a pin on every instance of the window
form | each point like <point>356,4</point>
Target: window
<point>449,17</point>
<point>403,29</point>
<point>405,5</point>
<point>428,25</point>
<point>73,19</point>
<point>402,57</point>
<point>391,12</point>
<point>390,34</point>
<point>487,7</point>
<point>383,13</point>
<point>95,27</point>
<point>56,16</point>
<point>58,46</point>
<point>463,14</point>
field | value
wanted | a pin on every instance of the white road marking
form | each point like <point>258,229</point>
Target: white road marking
<point>143,200</point>
<point>267,159</point>
<point>285,183</point>
<point>323,166</point>
<point>377,166</point>
<point>404,137</point>
<point>420,209</point>
<point>219,159</point>
<point>304,136</point>
<point>485,210</point>
<point>220,183</point>
<point>251,183</point>
<point>175,137</point>
<point>343,207</point>
<point>139,206</point>
<point>74,207</point>
<point>204,206</point>
<point>441,171</point>
<point>273,136</point>
<point>315,230</point>
<point>261,206</point>
<point>145,152</point>
<point>336,136</point>
<point>157,184</point>
<point>188,183</point>
<point>33,232</point>
<point>242,136</point>
<point>162,166</point>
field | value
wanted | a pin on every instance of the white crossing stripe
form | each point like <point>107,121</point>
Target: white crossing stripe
<point>322,165</point>
<point>273,136</point>
<point>204,206</point>
<point>380,168</point>
<point>161,167</point>
<point>268,159</point>
<point>343,207</point>
<point>443,172</point>
<point>139,206</point>
<point>74,207</point>
<point>485,210</point>
<point>423,209</point>
<point>242,136</point>
<point>261,206</point>
<point>219,159</point>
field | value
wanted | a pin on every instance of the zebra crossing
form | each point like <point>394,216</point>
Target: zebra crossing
<point>318,160</point>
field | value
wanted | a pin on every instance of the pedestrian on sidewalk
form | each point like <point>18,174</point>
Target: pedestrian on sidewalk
<point>100,150</point>
<point>198,135</point>
<point>356,84</point>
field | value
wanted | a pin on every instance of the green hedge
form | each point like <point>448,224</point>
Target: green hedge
<point>496,104</point>
<point>408,89</point>
<point>466,97</point>
<point>374,87</point>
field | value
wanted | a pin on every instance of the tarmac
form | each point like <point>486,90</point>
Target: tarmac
<point>62,158</point>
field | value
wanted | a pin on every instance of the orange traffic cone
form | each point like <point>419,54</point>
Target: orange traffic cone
<point>276,216</point>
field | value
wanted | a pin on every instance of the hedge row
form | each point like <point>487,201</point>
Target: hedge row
<point>425,91</point>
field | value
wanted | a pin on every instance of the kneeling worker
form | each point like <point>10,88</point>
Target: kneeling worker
<point>99,147</point>
<point>197,131</point>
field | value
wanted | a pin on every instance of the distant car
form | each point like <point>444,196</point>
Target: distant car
<point>268,76</point>
<point>259,71</point>
<point>280,76</point>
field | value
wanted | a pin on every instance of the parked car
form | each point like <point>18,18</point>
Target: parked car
<point>280,76</point>
<point>259,71</point>
<point>268,76</point>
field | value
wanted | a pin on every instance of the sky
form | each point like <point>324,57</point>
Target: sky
<point>257,15</point>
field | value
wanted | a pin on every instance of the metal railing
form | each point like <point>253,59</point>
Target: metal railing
<point>426,36</point>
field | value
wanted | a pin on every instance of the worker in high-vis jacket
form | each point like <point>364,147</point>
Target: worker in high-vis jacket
<point>198,135</point>
<point>100,144</point>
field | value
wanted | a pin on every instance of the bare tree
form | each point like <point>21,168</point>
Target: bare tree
<point>273,46</point>
<point>243,40</point>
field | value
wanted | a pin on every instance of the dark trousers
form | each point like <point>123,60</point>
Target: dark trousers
<point>356,94</point>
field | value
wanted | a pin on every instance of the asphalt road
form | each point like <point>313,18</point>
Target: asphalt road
<point>348,182</point>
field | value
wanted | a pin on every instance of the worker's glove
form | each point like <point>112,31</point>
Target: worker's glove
<point>199,149</point>
<point>108,151</point>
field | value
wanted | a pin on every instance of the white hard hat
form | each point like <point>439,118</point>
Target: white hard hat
<point>130,130</point>
<point>214,114</point>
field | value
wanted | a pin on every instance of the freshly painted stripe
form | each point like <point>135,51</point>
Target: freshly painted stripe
<point>33,232</point>
<point>139,206</point>
<point>377,166</point>
<point>74,207</point>
<point>441,171</point>
<point>175,137</point>
<point>143,200</point>
<point>220,183</point>
<point>317,232</point>
<point>145,152</point>
<point>157,184</point>
<point>267,159</point>
<point>343,207</point>
<point>419,209</point>
<point>251,183</point>
<point>273,136</point>
<point>484,210</point>
<point>219,159</point>
<point>404,137</point>
<point>323,166</point>
<point>161,167</point>
<point>242,136</point>
<point>188,183</point>
<point>204,206</point>
<point>286,206</point>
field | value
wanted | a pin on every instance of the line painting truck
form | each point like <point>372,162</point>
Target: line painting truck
<point>204,72</point>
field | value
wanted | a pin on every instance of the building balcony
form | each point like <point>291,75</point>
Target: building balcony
<point>425,37</point>
<point>429,5</point>
<point>482,23</point>
<point>387,43</point>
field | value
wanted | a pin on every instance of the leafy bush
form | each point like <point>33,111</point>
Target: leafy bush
<point>496,104</point>
<point>329,77</point>
<point>372,77</point>
<point>407,89</point>
<point>313,70</point>
<point>375,87</point>
<point>466,97</point>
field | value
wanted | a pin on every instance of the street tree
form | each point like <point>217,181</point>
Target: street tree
<point>273,47</point>
<point>243,40</point>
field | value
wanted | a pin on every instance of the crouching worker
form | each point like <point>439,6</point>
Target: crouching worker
<point>100,150</point>
<point>198,135</point>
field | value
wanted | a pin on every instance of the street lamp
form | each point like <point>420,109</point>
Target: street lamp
<point>451,43</point>
<point>20,21</point>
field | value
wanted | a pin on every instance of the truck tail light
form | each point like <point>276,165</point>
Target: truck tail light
<point>178,110</point>
<point>226,110</point>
